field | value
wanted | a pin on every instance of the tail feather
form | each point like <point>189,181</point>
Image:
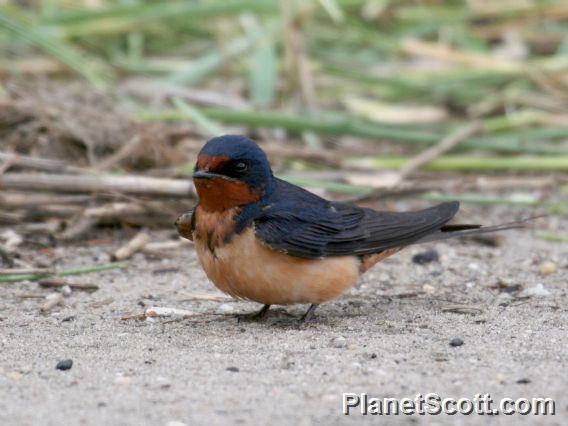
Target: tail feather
<point>454,231</point>
<point>458,227</point>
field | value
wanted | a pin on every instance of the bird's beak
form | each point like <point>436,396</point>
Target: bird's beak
<point>204,174</point>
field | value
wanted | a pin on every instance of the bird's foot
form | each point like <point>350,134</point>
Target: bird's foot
<point>306,318</point>
<point>309,315</point>
<point>255,316</point>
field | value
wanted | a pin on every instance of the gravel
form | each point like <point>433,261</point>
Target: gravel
<point>387,337</point>
<point>64,365</point>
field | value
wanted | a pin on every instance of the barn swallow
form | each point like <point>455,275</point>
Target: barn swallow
<point>263,239</point>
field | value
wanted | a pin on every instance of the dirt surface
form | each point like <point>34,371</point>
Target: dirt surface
<point>389,337</point>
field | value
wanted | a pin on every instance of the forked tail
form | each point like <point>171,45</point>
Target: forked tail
<point>454,231</point>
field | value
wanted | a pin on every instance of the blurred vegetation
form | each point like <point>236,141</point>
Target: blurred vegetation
<point>407,72</point>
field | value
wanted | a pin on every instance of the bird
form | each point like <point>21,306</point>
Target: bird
<point>263,239</point>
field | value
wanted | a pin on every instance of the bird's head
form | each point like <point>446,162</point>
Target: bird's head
<point>231,171</point>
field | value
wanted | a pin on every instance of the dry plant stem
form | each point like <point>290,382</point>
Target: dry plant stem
<point>34,66</point>
<point>11,218</point>
<point>101,303</point>
<point>463,309</point>
<point>297,63</point>
<point>113,210</point>
<point>302,153</point>
<point>150,91</point>
<point>500,183</point>
<point>137,317</point>
<point>36,163</point>
<point>205,296</point>
<point>52,211</point>
<point>425,157</point>
<point>6,165</point>
<point>127,150</point>
<point>445,53</point>
<point>30,296</point>
<point>51,303</point>
<point>165,245</point>
<point>51,226</point>
<point>103,183</point>
<point>143,213</point>
<point>17,199</point>
<point>78,228</point>
<point>159,311</point>
<point>445,145</point>
<point>134,245</point>
<point>58,282</point>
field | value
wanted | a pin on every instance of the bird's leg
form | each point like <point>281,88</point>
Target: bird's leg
<point>254,316</point>
<point>309,313</point>
<point>262,313</point>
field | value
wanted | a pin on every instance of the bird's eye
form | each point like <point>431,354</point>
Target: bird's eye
<point>241,167</point>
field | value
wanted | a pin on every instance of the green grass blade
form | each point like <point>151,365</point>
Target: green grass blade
<point>18,25</point>
<point>64,273</point>
<point>203,67</point>
<point>336,187</point>
<point>263,71</point>
<point>469,163</point>
<point>124,18</point>
<point>333,10</point>
<point>337,124</point>
<point>208,126</point>
<point>553,207</point>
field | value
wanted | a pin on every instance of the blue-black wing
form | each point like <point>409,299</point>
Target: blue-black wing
<point>304,225</point>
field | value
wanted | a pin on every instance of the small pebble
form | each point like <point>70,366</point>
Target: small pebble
<point>339,342</point>
<point>233,369</point>
<point>547,268</point>
<point>456,342</point>
<point>428,288</point>
<point>52,296</point>
<point>425,257</point>
<point>536,291</point>
<point>473,266</point>
<point>225,308</point>
<point>162,382</point>
<point>65,364</point>
<point>66,291</point>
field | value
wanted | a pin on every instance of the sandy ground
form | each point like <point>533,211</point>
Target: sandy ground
<point>389,338</point>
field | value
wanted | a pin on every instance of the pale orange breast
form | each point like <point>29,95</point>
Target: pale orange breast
<point>246,268</point>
